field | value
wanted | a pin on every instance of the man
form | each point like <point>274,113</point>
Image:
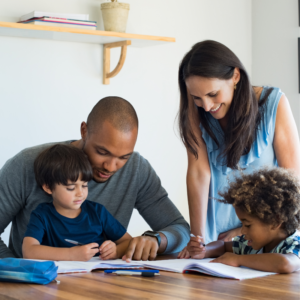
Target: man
<point>122,180</point>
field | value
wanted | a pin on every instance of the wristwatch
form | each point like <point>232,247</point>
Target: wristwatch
<point>153,234</point>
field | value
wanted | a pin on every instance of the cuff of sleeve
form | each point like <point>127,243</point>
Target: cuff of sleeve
<point>177,238</point>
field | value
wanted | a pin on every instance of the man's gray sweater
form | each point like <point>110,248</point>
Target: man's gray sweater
<point>135,185</point>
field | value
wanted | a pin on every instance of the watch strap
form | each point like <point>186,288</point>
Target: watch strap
<point>153,234</point>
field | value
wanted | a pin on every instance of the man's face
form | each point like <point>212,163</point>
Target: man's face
<point>108,149</point>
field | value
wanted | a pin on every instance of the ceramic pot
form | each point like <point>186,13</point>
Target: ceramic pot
<point>115,15</point>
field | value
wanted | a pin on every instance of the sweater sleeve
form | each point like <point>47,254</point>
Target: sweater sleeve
<point>157,209</point>
<point>12,196</point>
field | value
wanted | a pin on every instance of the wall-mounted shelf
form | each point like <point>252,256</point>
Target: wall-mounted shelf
<point>107,38</point>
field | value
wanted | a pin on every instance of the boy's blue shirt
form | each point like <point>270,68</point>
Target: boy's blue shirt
<point>93,225</point>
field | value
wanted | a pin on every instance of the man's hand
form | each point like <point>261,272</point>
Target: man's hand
<point>141,248</point>
<point>196,248</point>
<point>229,259</point>
<point>84,253</point>
<point>108,250</point>
<point>230,234</point>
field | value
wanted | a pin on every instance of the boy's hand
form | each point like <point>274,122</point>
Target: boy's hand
<point>195,247</point>
<point>108,250</point>
<point>229,259</point>
<point>184,253</point>
<point>85,252</point>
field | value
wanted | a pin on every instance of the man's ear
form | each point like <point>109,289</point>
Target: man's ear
<point>47,189</point>
<point>83,131</point>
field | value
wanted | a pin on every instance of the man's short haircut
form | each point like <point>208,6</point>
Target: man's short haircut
<point>118,111</point>
<point>60,164</point>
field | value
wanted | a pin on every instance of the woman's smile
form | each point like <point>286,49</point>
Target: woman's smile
<point>215,110</point>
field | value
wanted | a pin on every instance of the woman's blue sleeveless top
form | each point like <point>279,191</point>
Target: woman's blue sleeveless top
<point>222,217</point>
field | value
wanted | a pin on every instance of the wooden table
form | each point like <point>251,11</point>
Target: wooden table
<point>97,285</point>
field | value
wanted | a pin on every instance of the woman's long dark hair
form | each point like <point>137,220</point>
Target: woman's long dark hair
<point>211,59</point>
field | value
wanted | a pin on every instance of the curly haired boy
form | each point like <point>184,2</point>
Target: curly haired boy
<point>267,203</point>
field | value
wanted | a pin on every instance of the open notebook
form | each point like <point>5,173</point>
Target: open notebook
<point>93,264</point>
<point>171,265</point>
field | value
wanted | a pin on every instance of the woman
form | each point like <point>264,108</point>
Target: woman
<point>227,125</point>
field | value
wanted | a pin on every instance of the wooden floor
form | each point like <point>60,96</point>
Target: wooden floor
<point>97,285</point>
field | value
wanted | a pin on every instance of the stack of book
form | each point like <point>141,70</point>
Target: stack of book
<point>80,21</point>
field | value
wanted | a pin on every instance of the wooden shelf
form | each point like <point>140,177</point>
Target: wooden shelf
<point>108,39</point>
<point>79,35</point>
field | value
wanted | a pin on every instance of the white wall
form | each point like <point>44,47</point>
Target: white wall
<point>275,32</point>
<point>49,87</point>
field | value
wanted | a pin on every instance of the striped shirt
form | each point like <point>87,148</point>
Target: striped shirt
<point>290,245</point>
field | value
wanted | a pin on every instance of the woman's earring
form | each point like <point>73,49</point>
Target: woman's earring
<point>235,86</point>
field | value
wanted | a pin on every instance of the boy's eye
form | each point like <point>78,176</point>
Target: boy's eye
<point>70,189</point>
<point>247,226</point>
<point>85,186</point>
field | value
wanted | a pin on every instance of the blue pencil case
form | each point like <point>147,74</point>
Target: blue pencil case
<point>27,271</point>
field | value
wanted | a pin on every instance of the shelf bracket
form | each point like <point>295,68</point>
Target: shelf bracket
<point>106,59</point>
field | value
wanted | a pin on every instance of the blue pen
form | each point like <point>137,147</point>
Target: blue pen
<point>76,243</point>
<point>144,273</point>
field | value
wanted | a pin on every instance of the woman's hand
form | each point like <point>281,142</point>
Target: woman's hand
<point>184,253</point>
<point>229,259</point>
<point>196,247</point>
<point>230,234</point>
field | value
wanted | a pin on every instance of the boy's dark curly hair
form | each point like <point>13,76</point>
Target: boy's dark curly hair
<point>271,194</point>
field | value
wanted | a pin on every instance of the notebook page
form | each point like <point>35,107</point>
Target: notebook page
<point>172,265</point>
<point>204,266</point>
<point>94,263</point>
<point>221,270</point>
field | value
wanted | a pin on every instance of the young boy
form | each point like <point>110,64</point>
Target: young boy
<point>63,172</point>
<point>267,203</point>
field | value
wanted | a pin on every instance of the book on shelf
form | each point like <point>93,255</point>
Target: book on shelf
<point>90,26</point>
<point>171,265</point>
<point>61,20</point>
<point>39,14</point>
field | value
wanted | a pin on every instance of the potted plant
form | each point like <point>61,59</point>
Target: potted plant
<point>115,15</point>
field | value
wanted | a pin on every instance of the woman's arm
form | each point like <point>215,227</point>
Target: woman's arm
<point>198,180</point>
<point>286,139</point>
<point>32,249</point>
<point>268,262</point>
<point>198,177</point>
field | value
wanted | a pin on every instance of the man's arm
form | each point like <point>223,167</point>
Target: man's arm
<point>161,214</point>
<point>11,197</point>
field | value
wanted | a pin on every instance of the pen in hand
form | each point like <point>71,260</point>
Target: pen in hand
<point>76,243</point>
<point>192,235</point>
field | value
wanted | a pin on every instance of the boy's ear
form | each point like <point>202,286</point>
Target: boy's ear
<point>276,226</point>
<point>47,189</point>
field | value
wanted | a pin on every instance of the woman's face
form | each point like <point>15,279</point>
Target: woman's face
<point>212,94</point>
